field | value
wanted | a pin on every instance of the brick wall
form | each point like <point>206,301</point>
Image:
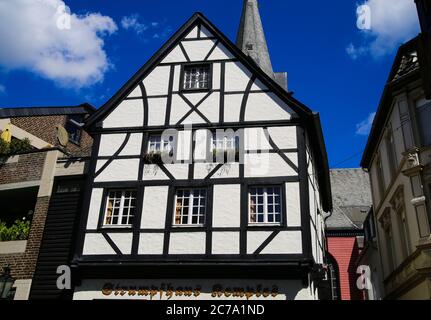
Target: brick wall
<point>345,251</point>
<point>23,264</point>
<point>28,168</point>
<point>45,128</point>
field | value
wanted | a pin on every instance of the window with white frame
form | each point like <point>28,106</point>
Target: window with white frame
<point>265,205</point>
<point>196,77</point>
<point>120,208</point>
<point>159,144</point>
<point>190,207</point>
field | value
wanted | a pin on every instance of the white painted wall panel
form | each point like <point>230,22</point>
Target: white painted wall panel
<point>94,210</point>
<point>267,165</point>
<point>201,142</point>
<point>255,139</point>
<point>255,240</point>
<point>95,244</point>
<point>129,113</point>
<point>179,171</point>
<point>266,107</point>
<point>187,243</point>
<point>232,108</point>
<point>198,50</point>
<point>177,73</point>
<point>184,145</point>
<point>220,53</point>
<point>123,241</point>
<point>179,109</point>
<point>156,83</point>
<point>151,243</point>
<point>216,76</point>
<point>293,203</point>
<point>210,107</point>
<point>176,55</point>
<point>154,207</point>
<point>137,92</point>
<point>227,206</point>
<point>286,242</point>
<point>229,170</point>
<point>192,34</point>
<point>284,137</point>
<point>237,77</point>
<point>156,111</point>
<point>153,172</point>
<point>118,170</point>
<point>225,243</point>
<point>110,143</point>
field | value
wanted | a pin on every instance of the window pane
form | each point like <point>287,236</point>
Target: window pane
<point>196,77</point>
<point>190,207</point>
<point>265,205</point>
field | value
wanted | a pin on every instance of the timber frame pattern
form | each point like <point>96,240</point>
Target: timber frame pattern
<point>308,130</point>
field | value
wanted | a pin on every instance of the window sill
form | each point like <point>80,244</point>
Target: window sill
<point>115,228</point>
<point>189,226</point>
<point>194,90</point>
<point>259,225</point>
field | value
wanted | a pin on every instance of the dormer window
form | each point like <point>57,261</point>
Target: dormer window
<point>74,127</point>
<point>196,77</point>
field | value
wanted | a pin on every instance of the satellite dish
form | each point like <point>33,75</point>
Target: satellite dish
<point>62,136</point>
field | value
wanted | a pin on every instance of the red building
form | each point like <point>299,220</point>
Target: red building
<point>344,230</point>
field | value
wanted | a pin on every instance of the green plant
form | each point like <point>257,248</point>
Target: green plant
<point>14,147</point>
<point>18,231</point>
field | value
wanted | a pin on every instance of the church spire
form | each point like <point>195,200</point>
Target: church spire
<point>251,38</point>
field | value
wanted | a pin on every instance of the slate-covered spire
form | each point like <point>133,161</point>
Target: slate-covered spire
<point>251,38</point>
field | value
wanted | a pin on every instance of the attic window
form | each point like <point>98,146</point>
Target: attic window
<point>249,46</point>
<point>196,77</point>
<point>74,127</point>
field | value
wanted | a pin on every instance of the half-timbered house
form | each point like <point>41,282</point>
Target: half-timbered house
<point>208,179</point>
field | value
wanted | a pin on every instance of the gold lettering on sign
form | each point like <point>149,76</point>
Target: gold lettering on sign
<point>169,291</point>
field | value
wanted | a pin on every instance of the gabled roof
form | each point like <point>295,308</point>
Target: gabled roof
<point>311,119</point>
<point>351,196</point>
<point>45,111</point>
<point>198,18</point>
<point>406,68</point>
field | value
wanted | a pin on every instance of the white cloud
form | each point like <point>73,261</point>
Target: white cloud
<point>363,128</point>
<point>132,23</point>
<point>144,30</point>
<point>393,22</point>
<point>2,89</point>
<point>37,36</point>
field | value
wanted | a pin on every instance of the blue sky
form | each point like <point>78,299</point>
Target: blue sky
<point>334,68</point>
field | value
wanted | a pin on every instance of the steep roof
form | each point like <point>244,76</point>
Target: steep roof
<point>351,196</point>
<point>45,111</point>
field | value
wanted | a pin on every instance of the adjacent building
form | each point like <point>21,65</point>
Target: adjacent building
<point>46,166</point>
<point>351,196</point>
<point>398,158</point>
<point>207,180</point>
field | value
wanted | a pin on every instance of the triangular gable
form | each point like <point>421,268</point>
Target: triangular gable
<point>217,46</point>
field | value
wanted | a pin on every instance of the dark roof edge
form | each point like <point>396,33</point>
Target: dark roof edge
<point>322,163</point>
<point>46,111</point>
<point>385,104</point>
